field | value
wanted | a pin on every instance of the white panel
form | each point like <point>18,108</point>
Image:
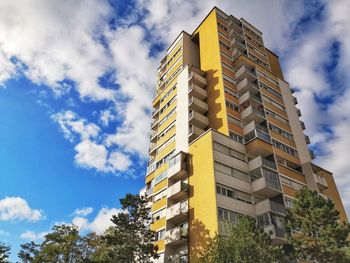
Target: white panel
<point>181,122</point>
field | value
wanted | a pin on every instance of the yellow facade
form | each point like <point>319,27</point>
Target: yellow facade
<point>233,128</point>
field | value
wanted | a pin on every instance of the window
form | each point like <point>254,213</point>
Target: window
<point>276,116</point>
<point>165,144</point>
<point>274,103</point>
<point>284,148</point>
<point>231,92</point>
<point>234,121</point>
<point>219,167</point>
<point>228,215</point>
<point>167,94</point>
<point>258,60</point>
<point>264,220</point>
<point>160,234</point>
<point>158,215</point>
<point>292,184</point>
<point>167,116</point>
<point>281,131</point>
<point>226,150</point>
<point>289,202</point>
<point>232,106</point>
<point>167,105</point>
<point>222,27</point>
<point>236,137</point>
<point>160,177</point>
<point>165,131</point>
<point>235,194</point>
<point>222,44</point>
<point>229,79</point>
<point>159,195</point>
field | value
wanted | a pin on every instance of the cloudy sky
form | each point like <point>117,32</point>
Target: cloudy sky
<point>76,83</point>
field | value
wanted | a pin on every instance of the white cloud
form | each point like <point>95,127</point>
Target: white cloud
<point>83,211</point>
<point>57,41</point>
<point>70,124</point>
<point>119,161</point>
<point>106,116</point>
<point>33,236</point>
<point>91,155</point>
<point>99,224</point>
<point>16,208</point>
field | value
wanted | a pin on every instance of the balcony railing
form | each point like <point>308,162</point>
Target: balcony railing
<point>321,181</point>
<point>265,182</point>
<point>176,235</point>
<point>267,206</point>
<point>178,210</point>
<point>257,134</point>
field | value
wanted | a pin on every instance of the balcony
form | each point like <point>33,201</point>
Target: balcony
<point>252,126</point>
<point>197,92</point>
<point>197,105</point>
<point>302,125</point>
<point>197,79</point>
<point>153,135</point>
<point>268,185</point>
<point>238,44</point>
<point>198,119</point>
<point>245,85</point>
<point>154,123</point>
<point>245,72</point>
<point>252,113</point>
<point>236,53</point>
<point>321,182</point>
<point>234,22</point>
<point>276,233</point>
<point>312,154</point>
<point>267,206</point>
<point>258,144</point>
<point>194,132</point>
<point>149,192</point>
<point>177,167</point>
<point>295,100</point>
<point>155,112</point>
<point>259,161</point>
<point>299,112</point>
<point>236,34</point>
<point>307,139</point>
<point>177,190</point>
<point>152,148</point>
<point>250,95</point>
<point>177,212</point>
<point>176,236</point>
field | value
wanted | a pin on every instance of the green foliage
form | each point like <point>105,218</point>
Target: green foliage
<point>4,253</point>
<point>129,239</point>
<point>314,229</point>
<point>28,252</point>
<point>246,242</point>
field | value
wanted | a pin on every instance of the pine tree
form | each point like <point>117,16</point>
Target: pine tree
<point>314,229</point>
<point>130,239</point>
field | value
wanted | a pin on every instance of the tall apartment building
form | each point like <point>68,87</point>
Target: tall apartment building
<point>226,139</point>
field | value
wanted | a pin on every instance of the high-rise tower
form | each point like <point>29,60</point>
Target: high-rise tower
<point>226,139</point>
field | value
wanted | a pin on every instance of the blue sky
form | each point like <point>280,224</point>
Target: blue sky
<point>76,83</point>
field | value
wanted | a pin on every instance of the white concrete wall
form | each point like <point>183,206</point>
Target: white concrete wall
<point>181,122</point>
<point>294,123</point>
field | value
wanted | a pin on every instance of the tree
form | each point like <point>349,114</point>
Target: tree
<point>28,252</point>
<point>130,239</point>
<point>244,243</point>
<point>314,229</point>
<point>61,245</point>
<point>4,253</point>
